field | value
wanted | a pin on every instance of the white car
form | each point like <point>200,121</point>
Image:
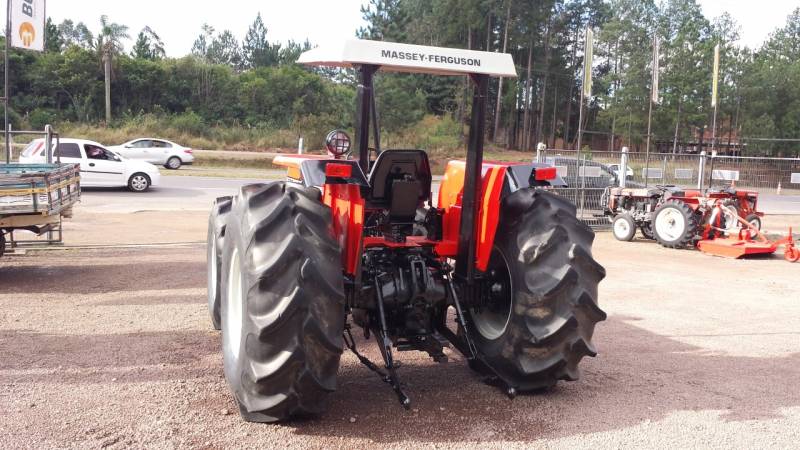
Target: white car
<point>156,151</point>
<point>100,167</point>
<point>614,168</point>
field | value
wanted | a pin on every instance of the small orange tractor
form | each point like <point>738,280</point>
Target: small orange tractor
<point>722,222</point>
<point>496,266</point>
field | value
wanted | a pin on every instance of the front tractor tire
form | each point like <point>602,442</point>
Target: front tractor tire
<point>282,302</point>
<point>539,308</point>
<point>623,227</point>
<point>214,246</point>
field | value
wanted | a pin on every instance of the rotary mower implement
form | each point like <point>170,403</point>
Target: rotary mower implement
<point>496,267</point>
<point>747,240</point>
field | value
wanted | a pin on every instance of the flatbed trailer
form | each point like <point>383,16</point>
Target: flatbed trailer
<point>34,197</point>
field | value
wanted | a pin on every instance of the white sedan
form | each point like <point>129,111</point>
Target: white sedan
<point>100,167</point>
<point>156,151</point>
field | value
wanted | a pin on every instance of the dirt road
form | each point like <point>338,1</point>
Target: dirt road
<point>113,348</point>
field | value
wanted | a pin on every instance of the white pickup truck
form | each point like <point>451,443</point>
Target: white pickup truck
<point>34,197</point>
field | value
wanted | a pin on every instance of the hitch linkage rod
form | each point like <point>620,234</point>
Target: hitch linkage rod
<point>496,379</point>
<point>385,344</point>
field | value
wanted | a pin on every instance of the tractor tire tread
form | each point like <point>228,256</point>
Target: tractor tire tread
<point>553,317</point>
<point>294,307</point>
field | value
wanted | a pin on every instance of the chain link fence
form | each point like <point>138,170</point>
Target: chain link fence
<point>588,173</point>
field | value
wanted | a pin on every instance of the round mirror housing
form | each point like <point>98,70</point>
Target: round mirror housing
<point>337,143</point>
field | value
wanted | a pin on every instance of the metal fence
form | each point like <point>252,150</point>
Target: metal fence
<point>589,173</point>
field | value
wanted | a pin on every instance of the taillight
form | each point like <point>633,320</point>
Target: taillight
<point>187,150</point>
<point>544,173</point>
<point>334,170</point>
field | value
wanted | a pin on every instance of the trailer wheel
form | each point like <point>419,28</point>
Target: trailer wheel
<point>282,302</point>
<point>623,227</point>
<point>674,224</point>
<point>754,220</point>
<point>214,245</point>
<point>538,308</point>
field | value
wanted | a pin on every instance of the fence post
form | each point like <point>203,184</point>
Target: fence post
<point>48,143</point>
<point>541,149</point>
<point>623,168</point>
<point>583,185</point>
<point>300,145</point>
<point>10,144</point>
<point>701,170</point>
<point>711,172</point>
<point>664,172</point>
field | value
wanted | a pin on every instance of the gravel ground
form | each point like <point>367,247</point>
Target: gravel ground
<point>113,348</point>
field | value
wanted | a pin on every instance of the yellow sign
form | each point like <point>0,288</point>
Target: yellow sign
<point>588,56</point>
<point>715,82</point>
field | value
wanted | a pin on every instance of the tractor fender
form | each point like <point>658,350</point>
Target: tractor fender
<point>498,180</point>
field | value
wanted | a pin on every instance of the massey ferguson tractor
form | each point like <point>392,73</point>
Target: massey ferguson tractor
<point>496,266</point>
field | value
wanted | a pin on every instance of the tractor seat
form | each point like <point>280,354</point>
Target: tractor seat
<point>399,181</point>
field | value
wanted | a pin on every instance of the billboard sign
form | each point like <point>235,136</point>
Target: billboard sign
<point>27,22</point>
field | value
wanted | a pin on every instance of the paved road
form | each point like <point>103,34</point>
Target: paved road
<point>183,193</point>
<point>189,193</point>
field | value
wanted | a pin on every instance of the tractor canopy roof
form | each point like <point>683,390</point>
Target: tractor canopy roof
<point>395,57</point>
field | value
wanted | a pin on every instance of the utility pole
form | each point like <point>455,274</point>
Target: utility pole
<point>5,83</point>
<point>714,102</point>
<point>107,69</point>
<point>653,99</point>
<point>586,91</point>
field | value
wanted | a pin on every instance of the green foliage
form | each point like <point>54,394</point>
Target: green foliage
<point>229,92</point>
<point>148,45</point>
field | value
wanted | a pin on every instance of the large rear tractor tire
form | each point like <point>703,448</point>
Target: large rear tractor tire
<point>282,302</point>
<point>214,246</point>
<point>539,308</point>
<point>674,224</point>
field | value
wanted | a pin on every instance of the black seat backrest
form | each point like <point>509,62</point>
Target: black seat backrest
<point>409,170</point>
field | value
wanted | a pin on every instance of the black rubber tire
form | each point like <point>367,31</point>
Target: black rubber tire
<point>173,163</point>
<point>754,220</point>
<point>628,235</point>
<point>292,302</point>
<point>131,182</point>
<point>647,230</point>
<point>687,235</point>
<point>554,278</point>
<point>214,245</point>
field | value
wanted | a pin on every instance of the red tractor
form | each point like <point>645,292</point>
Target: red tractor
<point>676,217</point>
<point>497,266</point>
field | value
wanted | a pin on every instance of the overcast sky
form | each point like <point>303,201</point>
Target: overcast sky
<point>178,22</point>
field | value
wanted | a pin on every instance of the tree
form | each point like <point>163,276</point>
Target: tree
<point>256,49</point>
<point>203,42</point>
<point>109,44</point>
<point>53,41</point>
<point>224,49</point>
<point>73,34</point>
<point>386,21</point>
<point>148,45</point>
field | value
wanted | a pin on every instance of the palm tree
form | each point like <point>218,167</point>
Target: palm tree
<point>109,44</point>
